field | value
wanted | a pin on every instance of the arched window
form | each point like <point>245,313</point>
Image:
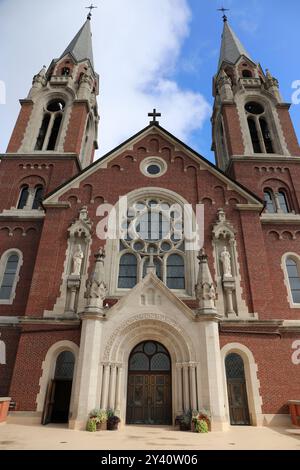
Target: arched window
<point>283,201</point>
<point>175,272</point>
<point>43,132</point>
<point>150,356</point>
<point>294,279</point>
<point>54,132</point>
<point>65,363</point>
<point>254,135</point>
<point>127,271</point>
<point>51,124</point>
<point>270,201</point>
<point>23,197</point>
<point>8,280</point>
<point>153,230</point>
<point>259,128</point>
<point>266,135</point>
<point>237,391</point>
<point>247,73</point>
<point>38,197</point>
<point>65,71</point>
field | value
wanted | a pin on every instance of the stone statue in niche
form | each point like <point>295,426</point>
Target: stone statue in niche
<point>77,261</point>
<point>226,263</point>
<point>96,287</point>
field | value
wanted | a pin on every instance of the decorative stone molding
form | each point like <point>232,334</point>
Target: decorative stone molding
<point>96,287</point>
<point>48,369</point>
<point>205,288</point>
<point>74,277</point>
<point>140,321</point>
<point>229,302</point>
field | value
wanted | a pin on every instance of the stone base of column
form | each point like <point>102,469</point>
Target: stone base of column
<point>218,425</point>
<point>77,425</point>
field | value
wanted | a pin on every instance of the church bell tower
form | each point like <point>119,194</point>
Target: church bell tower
<point>250,121</point>
<point>59,117</point>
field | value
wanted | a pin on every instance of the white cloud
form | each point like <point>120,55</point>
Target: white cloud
<point>137,44</point>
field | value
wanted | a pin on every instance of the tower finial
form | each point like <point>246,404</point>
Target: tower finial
<point>223,11</point>
<point>91,8</point>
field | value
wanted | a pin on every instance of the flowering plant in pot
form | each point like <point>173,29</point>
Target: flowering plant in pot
<point>100,417</point>
<point>201,420</point>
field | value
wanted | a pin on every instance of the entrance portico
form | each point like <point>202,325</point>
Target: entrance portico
<point>151,313</point>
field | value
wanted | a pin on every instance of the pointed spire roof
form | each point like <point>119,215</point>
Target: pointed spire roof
<point>81,46</point>
<point>232,48</point>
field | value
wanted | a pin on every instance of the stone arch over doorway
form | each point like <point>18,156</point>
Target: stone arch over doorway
<point>49,368</point>
<point>252,382</point>
<point>185,371</point>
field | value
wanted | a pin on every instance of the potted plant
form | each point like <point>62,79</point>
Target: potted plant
<point>200,425</point>
<point>113,423</point>
<point>201,421</point>
<point>91,425</point>
<point>185,421</point>
<point>100,416</point>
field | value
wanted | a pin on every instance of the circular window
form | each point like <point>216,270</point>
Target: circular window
<point>56,105</point>
<point>254,108</point>
<point>153,167</point>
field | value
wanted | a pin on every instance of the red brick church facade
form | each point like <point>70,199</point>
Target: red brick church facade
<point>77,330</point>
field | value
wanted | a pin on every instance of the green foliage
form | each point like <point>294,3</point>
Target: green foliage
<point>91,425</point>
<point>200,425</point>
<point>100,416</point>
<point>110,413</point>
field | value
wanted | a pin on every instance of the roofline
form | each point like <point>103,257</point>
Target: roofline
<point>104,157</point>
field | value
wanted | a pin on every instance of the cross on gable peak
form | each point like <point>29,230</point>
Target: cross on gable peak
<point>154,115</point>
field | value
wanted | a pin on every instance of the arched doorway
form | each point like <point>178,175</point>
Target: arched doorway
<point>58,395</point>
<point>149,398</point>
<point>237,390</point>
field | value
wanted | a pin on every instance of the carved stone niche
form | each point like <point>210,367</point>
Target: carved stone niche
<point>230,300</point>
<point>77,256</point>
<point>71,298</point>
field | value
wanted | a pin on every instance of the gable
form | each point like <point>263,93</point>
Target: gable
<point>184,169</point>
<point>151,294</point>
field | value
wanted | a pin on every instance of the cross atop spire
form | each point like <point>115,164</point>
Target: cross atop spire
<point>91,8</point>
<point>154,115</point>
<point>223,11</point>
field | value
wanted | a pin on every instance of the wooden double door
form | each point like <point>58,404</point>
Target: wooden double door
<point>149,398</point>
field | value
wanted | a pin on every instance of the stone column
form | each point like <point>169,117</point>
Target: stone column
<point>213,394</point>
<point>179,388</point>
<point>112,388</point>
<point>87,375</point>
<point>193,386</point>
<point>186,395</point>
<point>118,389</point>
<point>105,387</point>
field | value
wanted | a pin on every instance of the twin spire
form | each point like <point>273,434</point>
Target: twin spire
<point>232,48</point>
<point>81,46</point>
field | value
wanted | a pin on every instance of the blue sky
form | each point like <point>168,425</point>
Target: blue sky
<point>149,53</point>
